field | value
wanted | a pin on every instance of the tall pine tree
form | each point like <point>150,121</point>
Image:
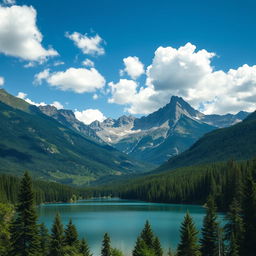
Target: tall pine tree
<point>57,238</point>
<point>157,247</point>
<point>147,235</point>
<point>188,245</point>
<point>71,236</point>
<point>209,240</point>
<point>24,230</point>
<point>84,248</point>
<point>106,248</point>
<point>234,228</point>
<point>44,239</point>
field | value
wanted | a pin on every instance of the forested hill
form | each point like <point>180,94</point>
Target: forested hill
<point>237,142</point>
<point>30,140</point>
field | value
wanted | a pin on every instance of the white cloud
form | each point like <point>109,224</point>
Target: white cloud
<point>188,73</point>
<point>79,80</point>
<point>58,63</point>
<point>57,105</point>
<point>133,67</point>
<point>95,96</point>
<point>88,63</point>
<point>88,45</point>
<point>89,115</point>
<point>19,35</point>
<point>43,75</point>
<point>137,100</point>
<point>1,81</point>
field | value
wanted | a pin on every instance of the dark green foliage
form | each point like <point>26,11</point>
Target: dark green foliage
<point>106,248</point>
<point>6,215</point>
<point>116,252</point>
<point>249,216</point>
<point>210,231</point>
<point>234,229</point>
<point>147,235</point>
<point>57,238</point>
<point>24,229</point>
<point>84,248</point>
<point>189,242</point>
<point>71,236</point>
<point>157,247</point>
<point>44,239</point>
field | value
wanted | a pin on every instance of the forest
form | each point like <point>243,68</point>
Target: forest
<point>21,234</point>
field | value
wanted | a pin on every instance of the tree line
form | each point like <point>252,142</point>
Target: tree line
<point>186,185</point>
<point>21,235</point>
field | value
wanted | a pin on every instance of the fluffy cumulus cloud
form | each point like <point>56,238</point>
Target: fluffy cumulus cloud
<point>19,35</point>
<point>89,115</point>
<point>88,45</point>
<point>188,73</point>
<point>23,96</point>
<point>133,67</point>
<point>79,80</point>
<point>1,81</point>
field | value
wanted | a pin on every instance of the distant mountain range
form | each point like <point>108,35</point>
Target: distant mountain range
<point>237,142</point>
<point>163,134</point>
<point>65,150</point>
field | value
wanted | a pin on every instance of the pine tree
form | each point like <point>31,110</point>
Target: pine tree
<point>157,247</point>
<point>84,248</point>
<point>249,217</point>
<point>57,238</point>
<point>147,235</point>
<point>44,239</point>
<point>234,229</point>
<point>188,245</point>
<point>140,246</point>
<point>24,229</point>
<point>209,240</point>
<point>106,249</point>
<point>234,247</point>
<point>71,236</point>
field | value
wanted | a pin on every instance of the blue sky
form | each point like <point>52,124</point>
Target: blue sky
<point>204,51</point>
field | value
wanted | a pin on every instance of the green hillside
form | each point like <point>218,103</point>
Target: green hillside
<point>236,142</point>
<point>30,140</point>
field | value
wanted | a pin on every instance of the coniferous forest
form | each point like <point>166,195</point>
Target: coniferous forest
<point>22,235</point>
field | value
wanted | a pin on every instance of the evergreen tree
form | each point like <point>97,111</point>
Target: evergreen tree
<point>24,229</point>
<point>147,235</point>
<point>233,247</point>
<point>188,245</point>
<point>209,240</point>
<point>57,238</point>
<point>44,239</point>
<point>116,252</point>
<point>71,236</point>
<point>84,248</point>
<point>106,249</point>
<point>249,217</point>
<point>140,246</point>
<point>234,229</point>
<point>157,247</point>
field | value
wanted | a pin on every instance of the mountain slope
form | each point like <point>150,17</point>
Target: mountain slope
<point>165,133</point>
<point>236,142</point>
<point>30,140</point>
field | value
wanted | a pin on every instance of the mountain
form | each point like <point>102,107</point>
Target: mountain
<point>67,118</point>
<point>236,142</point>
<point>31,140</point>
<point>165,133</point>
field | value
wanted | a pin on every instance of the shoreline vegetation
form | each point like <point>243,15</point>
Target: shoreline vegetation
<point>22,235</point>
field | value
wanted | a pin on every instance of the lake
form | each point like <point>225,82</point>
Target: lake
<point>123,220</point>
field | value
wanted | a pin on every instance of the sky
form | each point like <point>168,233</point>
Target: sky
<point>107,58</point>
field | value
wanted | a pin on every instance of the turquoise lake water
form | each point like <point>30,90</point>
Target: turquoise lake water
<point>123,220</point>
